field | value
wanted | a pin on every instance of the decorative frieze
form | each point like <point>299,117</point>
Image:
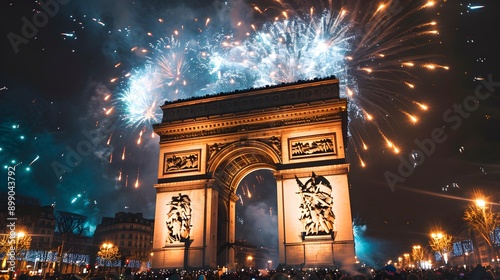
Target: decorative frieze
<point>181,161</point>
<point>248,127</point>
<point>312,146</point>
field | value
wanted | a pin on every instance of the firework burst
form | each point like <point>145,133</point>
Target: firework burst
<point>372,49</point>
<point>142,97</point>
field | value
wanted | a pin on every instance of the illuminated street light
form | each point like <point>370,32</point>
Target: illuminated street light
<point>417,254</point>
<point>19,246</point>
<point>151,259</point>
<point>108,253</point>
<point>481,203</point>
<point>441,243</point>
<point>484,222</point>
<point>22,242</point>
<point>250,261</point>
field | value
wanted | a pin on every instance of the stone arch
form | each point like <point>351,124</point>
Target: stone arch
<point>209,144</point>
<point>233,161</point>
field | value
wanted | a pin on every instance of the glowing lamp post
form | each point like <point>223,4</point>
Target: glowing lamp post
<point>250,261</point>
<point>19,236</point>
<point>151,259</point>
<point>406,259</point>
<point>441,242</point>
<point>108,253</point>
<point>484,222</point>
<point>107,247</point>
<point>417,255</point>
<point>481,203</point>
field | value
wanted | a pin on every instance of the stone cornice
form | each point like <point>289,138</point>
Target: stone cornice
<point>246,126</point>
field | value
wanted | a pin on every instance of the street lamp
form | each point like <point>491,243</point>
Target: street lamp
<point>151,259</point>
<point>417,255</point>
<point>438,235</point>
<point>107,253</point>
<point>481,203</point>
<point>19,235</point>
<point>484,222</point>
<point>107,247</point>
<point>15,251</point>
<point>250,261</point>
<point>440,242</point>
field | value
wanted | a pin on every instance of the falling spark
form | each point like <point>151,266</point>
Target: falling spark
<point>109,111</point>
<point>140,137</point>
<point>136,185</point>
<point>33,161</point>
<point>410,85</point>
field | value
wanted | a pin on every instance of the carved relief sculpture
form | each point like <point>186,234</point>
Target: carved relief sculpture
<point>181,161</point>
<point>275,142</point>
<point>313,146</point>
<point>179,219</point>
<point>214,149</point>
<point>316,208</point>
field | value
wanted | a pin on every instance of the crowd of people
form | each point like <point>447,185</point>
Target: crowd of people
<point>387,273</point>
<point>459,273</point>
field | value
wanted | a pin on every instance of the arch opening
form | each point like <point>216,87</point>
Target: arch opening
<point>257,220</point>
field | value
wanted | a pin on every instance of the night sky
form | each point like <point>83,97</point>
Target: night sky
<point>66,118</point>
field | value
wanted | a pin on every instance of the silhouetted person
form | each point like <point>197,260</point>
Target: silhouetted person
<point>478,273</point>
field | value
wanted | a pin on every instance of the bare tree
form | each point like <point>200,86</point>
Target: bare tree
<point>483,221</point>
<point>70,223</point>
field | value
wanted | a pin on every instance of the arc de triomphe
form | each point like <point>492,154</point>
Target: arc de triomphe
<point>209,144</point>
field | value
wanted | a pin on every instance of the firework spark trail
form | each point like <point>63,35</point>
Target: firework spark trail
<point>171,61</point>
